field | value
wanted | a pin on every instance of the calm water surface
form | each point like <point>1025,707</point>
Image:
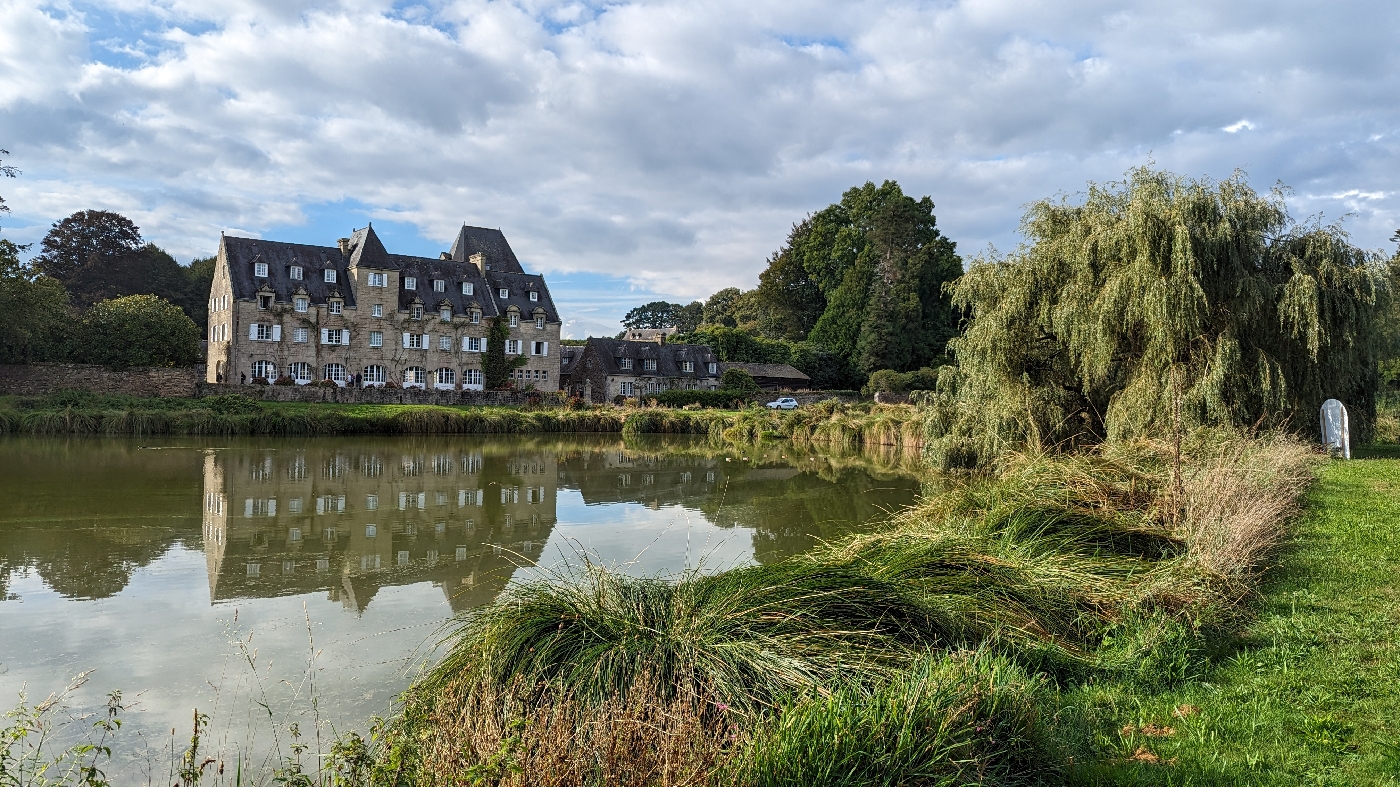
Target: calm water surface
<point>222,575</point>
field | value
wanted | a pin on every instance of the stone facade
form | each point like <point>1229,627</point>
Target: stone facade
<point>46,378</point>
<point>604,369</point>
<point>349,394</point>
<point>312,313</point>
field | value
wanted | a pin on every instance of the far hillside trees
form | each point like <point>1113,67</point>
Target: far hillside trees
<point>1158,303</point>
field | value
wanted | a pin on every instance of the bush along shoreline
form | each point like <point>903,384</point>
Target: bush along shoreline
<point>84,413</point>
<point>936,652</point>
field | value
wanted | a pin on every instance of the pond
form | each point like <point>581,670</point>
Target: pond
<point>307,579</point>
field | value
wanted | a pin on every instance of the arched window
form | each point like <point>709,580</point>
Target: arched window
<point>374,374</point>
<point>267,370</point>
<point>334,372</point>
<point>415,376</point>
<point>300,372</point>
<point>445,378</point>
<point>471,379</point>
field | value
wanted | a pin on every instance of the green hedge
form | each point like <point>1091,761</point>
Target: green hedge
<point>681,398</point>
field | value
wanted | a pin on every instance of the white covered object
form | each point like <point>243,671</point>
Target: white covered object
<point>1336,429</point>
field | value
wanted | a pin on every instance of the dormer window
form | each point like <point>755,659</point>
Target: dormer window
<point>514,320</point>
<point>714,368</point>
<point>476,316</point>
<point>539,322</point>
<point>534,296</point>
<point>260,269</point>
<point>649,364</point>
<point>336,305</point>
<point>295,272</point>
<point>410,283</point>
<point>505,293</point>
<point>687,366</point>
<point>416,312</point>
<point>264,302</point>
<point>301,303</point>
<point>624,363</point>
<point>439,285</point>
<point>467,288</point>
<point>330,275</point>
<point>445,314</point>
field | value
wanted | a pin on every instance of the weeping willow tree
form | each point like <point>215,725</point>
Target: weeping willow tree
<point>1159,303</point>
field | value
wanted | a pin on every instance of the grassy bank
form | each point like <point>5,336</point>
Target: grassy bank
<point>942,651</point>
<point>1309,693</point>
<point>83,413</point>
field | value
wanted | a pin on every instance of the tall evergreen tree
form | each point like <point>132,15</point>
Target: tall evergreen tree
<point>1155,296</point>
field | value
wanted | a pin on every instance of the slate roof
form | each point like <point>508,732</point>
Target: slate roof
<point>668,358</point>
<point>569,356</point>
<point>491,243</point>
<point>770,370</point>
<point>243,253</point>
<point>367,251</point>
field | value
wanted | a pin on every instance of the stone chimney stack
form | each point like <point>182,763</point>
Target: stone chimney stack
<point>479,260</point>
<point>344,244</point>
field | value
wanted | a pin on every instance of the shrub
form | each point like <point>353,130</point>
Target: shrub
<point>137,330</point>
<point>285,379</point>
<point>232,404</point>
<point>738,380</point>
<point>682,398</point>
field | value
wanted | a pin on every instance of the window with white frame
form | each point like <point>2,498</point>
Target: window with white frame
<point>445,377</point>
<point>471,377</point>
<point>624,363</point>
<point>410,282</point>
<point>539,322</point>
<point>264,302</point>
<point>301,304</point>
<point>649,364</point>
<point>334,372</point>
<point>295,272</point>
<point>415,341</point>
<point>376,339</point>
<point>416,312</point>
<point>534,296</point>
<point>336,307</point>
<point>445,314</point>
<point>687,366</point>
<point>468,288</point>
<point>513,347</point>
<point>378,280</point>
<point>415,375</point>
<point>374,373</point>
<point>445,343</point>
<point>624,388</point>
<point>264,370</point>
<point>714,368</point>
<point>260,332</point>
<point>514,320</point>
<point>476,316</point>
<point>439,285</point>
<point>260,269</point>
<point>300,371</point>
<point>300,335</point>
<point>504,292</point>
<point>330,275</point>
<point>539,348</point>
<point>334,336</point>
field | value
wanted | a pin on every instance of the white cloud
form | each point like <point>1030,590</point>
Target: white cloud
<point>674,143</point>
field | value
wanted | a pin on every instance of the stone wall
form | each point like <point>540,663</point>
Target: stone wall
<point>350,395</point>
<point>44,378</point>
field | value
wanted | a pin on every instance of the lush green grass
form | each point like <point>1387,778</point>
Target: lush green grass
<point>1310,693</point>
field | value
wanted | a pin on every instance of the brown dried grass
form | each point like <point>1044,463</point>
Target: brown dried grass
<point>544,738</point>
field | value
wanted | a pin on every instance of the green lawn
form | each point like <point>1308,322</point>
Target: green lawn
<point>1311,694</point>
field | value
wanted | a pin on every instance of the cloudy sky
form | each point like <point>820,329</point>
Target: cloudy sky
<point>634,150</point>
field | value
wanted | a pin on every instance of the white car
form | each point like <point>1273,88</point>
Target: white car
<point>785,403</point>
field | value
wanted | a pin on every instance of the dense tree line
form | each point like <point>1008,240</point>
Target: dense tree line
<point>97,293</point>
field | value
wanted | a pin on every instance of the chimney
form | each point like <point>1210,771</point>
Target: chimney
<point>479,260</point>
<point>344,244</point>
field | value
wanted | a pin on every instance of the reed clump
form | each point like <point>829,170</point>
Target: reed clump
<point>1062,569</point>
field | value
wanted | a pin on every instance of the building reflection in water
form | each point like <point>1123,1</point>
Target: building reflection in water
<point>465,515</point>
<point>351,521</point>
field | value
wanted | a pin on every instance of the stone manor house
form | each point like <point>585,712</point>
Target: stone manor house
<point>355,313</point>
